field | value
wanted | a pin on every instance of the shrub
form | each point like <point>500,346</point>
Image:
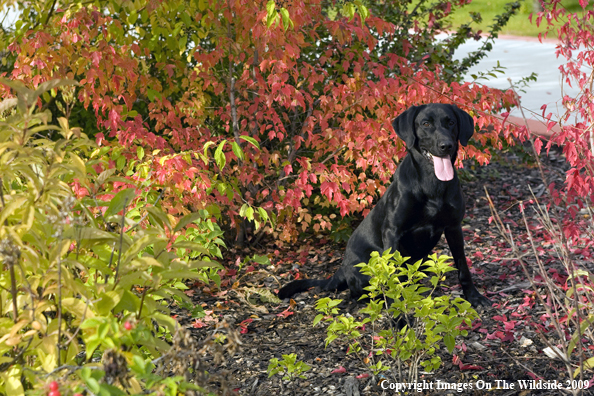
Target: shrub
<point>316,96</point>
<point>85,282</point>
<point>289,367</point>
<point>431,320</point>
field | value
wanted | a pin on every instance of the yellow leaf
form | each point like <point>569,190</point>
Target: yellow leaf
<point>78,308</point>
<point>48,353</point>
<point>73,350</point>
<point>13,341</point>
<point>135,385</point>
<point>588,364</point>
<point>12,381</point>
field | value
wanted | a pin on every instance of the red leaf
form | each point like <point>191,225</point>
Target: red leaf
<point>198,324</point>
<point>538,144</point>
<point>286,313</point>
<point>328,189</point>
<point>470,367</point>
<point>244,325</point>
<point>340,370</point>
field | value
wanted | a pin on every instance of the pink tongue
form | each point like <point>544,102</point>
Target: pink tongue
<point>443,168</point>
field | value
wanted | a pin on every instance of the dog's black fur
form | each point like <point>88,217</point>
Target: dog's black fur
<point>417,208</point>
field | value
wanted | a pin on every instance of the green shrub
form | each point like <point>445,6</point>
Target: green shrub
<point>85,284</point>
<point>289,367</point>
<point>432,320</point>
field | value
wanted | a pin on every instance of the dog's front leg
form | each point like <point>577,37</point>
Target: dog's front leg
<point>455,241</point>
<point>397,217</point>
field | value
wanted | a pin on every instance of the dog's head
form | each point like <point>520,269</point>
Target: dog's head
<point>434,130</point>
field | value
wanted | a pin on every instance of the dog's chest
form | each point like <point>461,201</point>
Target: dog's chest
<point>436,209</point>
<point>425,225</point>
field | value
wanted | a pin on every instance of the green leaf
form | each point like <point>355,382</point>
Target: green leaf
<point>140,152</point>
<point>317,319</point>
<point>89,236</point>
<point>187,219</point>
<point>189,245</point>
<point>93,384</point>
<point>91,346</point>
<point>219,156</point>
<point>129,302</point>
<point>363,11</point>
<point>136,247</point>
<point>348,9</point>
<point>205,264</point>
<point>272,18</point>
<point>182,43</point>
<point>132,17</point>
<point>450,342</point>
<point>108,301</point>
<point>575,337</point>
<point>270,7</point>
<point>85,373</point>
<point>250,140</point>
<point>120,163</point>
<point>287,22</point>
<point>165,321</point>
<point>157,215</point>
<point>237,150</point>
<point>121,199</point>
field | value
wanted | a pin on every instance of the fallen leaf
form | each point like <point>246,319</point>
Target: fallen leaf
<point>286,313</point>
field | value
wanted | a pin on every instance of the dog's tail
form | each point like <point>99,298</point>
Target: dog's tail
<point>301,285</point>
<point>335,282</point>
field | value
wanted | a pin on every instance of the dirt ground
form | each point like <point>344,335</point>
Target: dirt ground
<point>501,350</point>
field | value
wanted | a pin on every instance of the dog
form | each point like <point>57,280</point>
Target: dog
<point>423,202</point>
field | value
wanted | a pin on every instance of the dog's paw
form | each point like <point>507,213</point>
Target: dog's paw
<point>476,299</point>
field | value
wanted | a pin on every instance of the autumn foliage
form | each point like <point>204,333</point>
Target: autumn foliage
<point>576,46</point>
<point>226,111</point>
<point>207,105</point>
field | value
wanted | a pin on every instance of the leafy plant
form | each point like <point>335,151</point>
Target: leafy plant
<point>289,367</point>
<point>291,112</point>
<point>82,279</point>
<point>430,320</point>
<point>559,225</point>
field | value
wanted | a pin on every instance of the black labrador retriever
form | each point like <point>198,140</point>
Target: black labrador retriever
<point>423,202</point>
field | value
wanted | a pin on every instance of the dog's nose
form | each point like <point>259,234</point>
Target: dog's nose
<point>445,146</point>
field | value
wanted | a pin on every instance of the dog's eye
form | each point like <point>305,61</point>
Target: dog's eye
<point>451,123</point>
<point>426,124</point>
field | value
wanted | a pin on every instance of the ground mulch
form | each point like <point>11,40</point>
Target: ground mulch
<point>502,348</point>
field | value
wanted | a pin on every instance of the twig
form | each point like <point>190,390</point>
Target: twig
<point>59,305</point>
<point>117,271</point>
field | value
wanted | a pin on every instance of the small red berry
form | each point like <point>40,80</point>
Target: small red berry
<point>54,393</point>
<point>54,386</point>
<point>128,326</point>
<point>78,394</point>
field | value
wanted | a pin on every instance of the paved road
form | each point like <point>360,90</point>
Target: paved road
<point>521,56</point>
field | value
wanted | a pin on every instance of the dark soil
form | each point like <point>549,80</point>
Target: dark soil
<point>503,348</point>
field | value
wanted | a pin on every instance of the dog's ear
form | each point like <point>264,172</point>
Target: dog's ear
<point>404,125</point>
<point>465,125</point>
